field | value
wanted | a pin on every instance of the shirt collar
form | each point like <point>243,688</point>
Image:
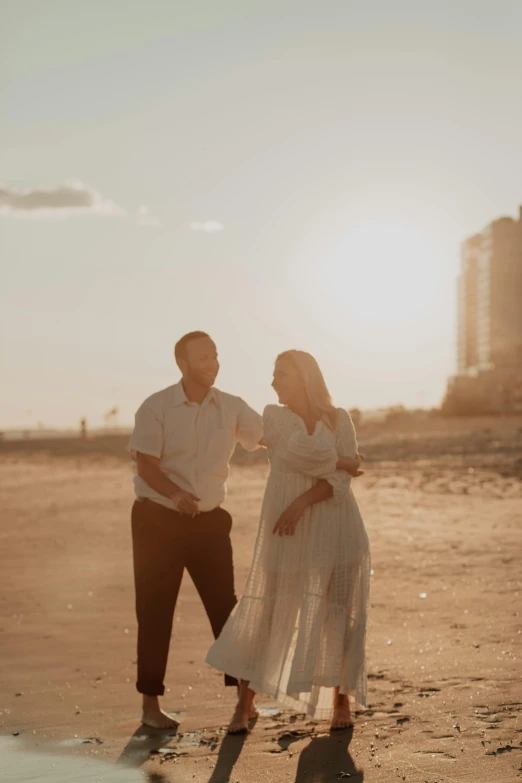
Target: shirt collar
<point>179,397</point>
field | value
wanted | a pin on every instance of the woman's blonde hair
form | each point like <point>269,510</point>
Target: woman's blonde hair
<point>319,399</point>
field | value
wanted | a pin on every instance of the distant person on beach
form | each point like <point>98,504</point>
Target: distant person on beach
<point>183,439</point>
<point>298,632</point>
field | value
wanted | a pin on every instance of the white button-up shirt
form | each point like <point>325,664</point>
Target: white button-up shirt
<point>194,442</point>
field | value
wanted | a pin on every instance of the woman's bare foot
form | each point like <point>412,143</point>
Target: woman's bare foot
<point>154,716</point>
<point>342,716</point>
<point>239,722</point>
<point>243,694</point>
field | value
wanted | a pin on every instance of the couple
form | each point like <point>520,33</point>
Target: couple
<point>298,632</point>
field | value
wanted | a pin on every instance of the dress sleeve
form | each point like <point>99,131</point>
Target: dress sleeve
<point>345,437</point>
<point>346,445</point>
<point>147,436</point>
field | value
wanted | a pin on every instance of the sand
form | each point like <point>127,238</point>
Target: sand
<point>443,506</point>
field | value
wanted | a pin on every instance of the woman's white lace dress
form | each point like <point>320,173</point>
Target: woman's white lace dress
<point>299,629</point>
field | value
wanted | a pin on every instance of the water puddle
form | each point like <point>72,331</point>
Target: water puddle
<point>72,743</point>
<point>26,763</point>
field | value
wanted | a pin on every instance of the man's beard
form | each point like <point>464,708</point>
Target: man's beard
<point>202,379</point>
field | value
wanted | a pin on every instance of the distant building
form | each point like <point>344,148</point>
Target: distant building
<point>467,304</point>
<point>489,340</point>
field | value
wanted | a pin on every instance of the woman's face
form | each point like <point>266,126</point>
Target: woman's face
<point>287,382</point>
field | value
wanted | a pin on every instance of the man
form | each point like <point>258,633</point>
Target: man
<point>182,442</point>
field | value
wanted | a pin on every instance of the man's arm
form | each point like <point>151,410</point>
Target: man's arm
<point>149,470</point>
<point>249,427</point>
<point>351,465</point>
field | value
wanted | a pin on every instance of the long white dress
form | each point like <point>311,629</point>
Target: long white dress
<point>299,629</point>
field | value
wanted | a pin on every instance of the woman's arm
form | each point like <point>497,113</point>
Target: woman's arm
<point>287,522</point>
<point>320,491</point>
<point>324,488</point>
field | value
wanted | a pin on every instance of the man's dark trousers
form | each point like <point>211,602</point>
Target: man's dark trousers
<point>166,542</point>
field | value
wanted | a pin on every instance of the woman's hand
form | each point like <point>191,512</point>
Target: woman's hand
<point>287,522</point>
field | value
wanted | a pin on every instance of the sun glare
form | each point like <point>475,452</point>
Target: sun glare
<point>387,273</point>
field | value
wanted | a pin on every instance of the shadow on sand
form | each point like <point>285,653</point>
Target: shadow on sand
<point>324,759</point>
<point>157,777</point>
<point>229,751</point>
<point>143,742</point>
<point>328,758</point>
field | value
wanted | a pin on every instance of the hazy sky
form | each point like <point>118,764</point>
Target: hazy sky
<point>344,149</point>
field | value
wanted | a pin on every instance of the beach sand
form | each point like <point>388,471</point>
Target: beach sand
<point>442,502</point>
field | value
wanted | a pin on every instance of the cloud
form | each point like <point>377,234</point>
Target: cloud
<point>71,198</point>
<point>208,226</point>
<point>145,218</point>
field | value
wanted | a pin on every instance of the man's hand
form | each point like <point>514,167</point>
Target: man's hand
<point>186,502</point>
<point>150,472</point>
<point>351,465</point>
<point>287,522</point>
<point>359,472</point>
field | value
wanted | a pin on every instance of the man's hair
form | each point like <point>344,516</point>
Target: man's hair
<point>180,349</point>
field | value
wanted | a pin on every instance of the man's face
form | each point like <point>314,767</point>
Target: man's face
<point>201,365</point>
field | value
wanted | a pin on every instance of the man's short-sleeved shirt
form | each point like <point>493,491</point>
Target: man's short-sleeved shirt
<point>194,442</point>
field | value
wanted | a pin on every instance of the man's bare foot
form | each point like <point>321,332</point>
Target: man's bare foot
<point>154,716</point>
<point>245,709</point>
<point>240,718</point>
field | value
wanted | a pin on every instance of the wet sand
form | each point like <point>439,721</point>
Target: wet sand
<point>443,506</point>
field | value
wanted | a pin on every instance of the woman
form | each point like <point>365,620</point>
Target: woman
<point>299,629</point>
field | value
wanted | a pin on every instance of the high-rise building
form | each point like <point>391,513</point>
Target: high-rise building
<point>489,339</point>
<point>490,299</point>
<point>467,304</point>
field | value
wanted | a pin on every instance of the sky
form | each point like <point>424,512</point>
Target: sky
<point>287,174</point>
